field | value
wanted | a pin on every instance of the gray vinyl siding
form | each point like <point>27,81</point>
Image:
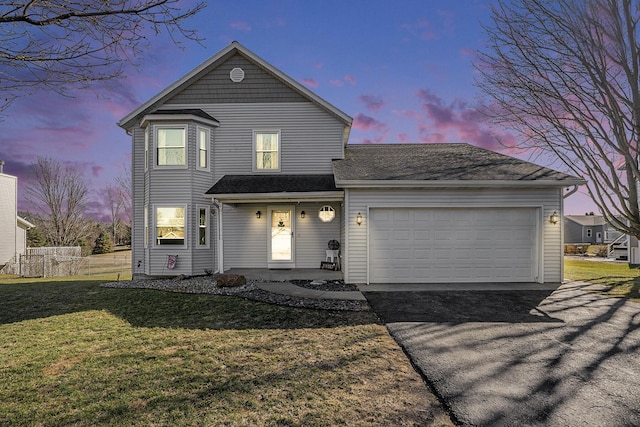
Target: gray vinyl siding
<point>138,198</point>
<point>549,200</point>
<point>310,137</point>
<point>216,86</point>
<point>246,237</point>
<point>8,220</point>
<point>170,187</point>
<point>573,232</point>
<point>313,235</point>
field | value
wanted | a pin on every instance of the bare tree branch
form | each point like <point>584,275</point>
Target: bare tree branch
<point>62,45</point>
<point>564,75</point>
<point>60,194</point>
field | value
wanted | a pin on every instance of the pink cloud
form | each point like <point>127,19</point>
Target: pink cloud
<point>317,65</point>
<point>422,29</point>
<point>350,79</point>
<point>456,122</point>
<point>367,123</point>
<point>402,137</point>
<point>96,170</point>
<point>338,83</point>
<point>465,51</point>
<point>310,82</point>
<point>240,25</point>
<point>372,103</point>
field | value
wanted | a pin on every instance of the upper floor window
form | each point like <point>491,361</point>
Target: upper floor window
<point>267,151</point>
<point>203,148</point>
<point>170,223</point>
<point>171,146</point>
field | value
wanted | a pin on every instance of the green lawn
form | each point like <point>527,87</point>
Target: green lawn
<point>72,353</point>
<point>619,279</point>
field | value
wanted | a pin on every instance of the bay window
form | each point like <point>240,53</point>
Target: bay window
<point>170,225</point>
<point>171,146</point>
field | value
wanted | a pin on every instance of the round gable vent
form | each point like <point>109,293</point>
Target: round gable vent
<point>237,75</point>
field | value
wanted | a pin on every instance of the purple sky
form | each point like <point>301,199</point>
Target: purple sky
<point>402,70</point>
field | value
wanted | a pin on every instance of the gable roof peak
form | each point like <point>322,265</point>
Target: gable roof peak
<point>129,120</point>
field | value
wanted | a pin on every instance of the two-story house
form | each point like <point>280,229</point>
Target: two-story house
<point>13,229</point>
<point>237,165</point>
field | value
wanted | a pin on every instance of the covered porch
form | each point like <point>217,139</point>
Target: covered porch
<point>279,225</point>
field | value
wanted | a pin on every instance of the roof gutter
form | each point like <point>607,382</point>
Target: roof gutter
<point>307,196</point>
<point>453,183</point>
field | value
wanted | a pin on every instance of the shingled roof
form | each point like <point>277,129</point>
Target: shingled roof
<point>252,184</point>
<point>440,163</point>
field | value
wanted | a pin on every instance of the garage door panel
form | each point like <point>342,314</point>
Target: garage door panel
<point>448,245</point>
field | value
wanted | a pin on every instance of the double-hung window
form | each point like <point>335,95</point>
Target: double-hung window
<point>203,226</point>
<point>170,225</point>
<point>267,151</point>
<point>171,146</point>
<point>203,148</point>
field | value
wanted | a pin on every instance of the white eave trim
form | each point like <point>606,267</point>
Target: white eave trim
<point>303,196</point>
<point>177,118</point>
<point>23,222</point>
<point>452,183</point>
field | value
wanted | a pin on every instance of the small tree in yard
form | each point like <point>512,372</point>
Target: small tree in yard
<point>35,238</point>
<point>103,244</point>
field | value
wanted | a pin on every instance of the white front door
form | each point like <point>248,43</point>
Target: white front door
<point>280,239</point>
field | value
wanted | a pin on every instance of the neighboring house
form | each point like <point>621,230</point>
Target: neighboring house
<point>592,229</point>
<point>13,229</point>
<point>236,165</point>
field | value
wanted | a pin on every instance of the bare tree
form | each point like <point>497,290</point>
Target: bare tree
<point>115,201</point>
<point>565,76</point>
<point>124,184</point>
<point>60,45</point>
<point>60,194</point>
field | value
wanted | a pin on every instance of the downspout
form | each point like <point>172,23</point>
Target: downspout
<point>570,192</point>
<point>564,196</point>
<point>218,207</point>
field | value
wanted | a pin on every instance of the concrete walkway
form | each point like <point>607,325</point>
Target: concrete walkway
<point>287,288</point>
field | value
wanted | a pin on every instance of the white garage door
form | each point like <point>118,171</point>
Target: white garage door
<point>452,245</point>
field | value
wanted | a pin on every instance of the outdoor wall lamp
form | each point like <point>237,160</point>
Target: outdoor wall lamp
<point>554,218</point>
<point>302,214</point>
<point>258,214</point>
<point>359,218</point>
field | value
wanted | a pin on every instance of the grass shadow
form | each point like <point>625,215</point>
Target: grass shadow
<point>151,308</point>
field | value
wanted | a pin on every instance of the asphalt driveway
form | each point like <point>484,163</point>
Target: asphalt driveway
<point>529,357</point>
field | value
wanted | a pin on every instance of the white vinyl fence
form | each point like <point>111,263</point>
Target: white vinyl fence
<point>66,261</point>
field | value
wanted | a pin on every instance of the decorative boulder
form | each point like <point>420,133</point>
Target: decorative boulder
<point>231,281</point>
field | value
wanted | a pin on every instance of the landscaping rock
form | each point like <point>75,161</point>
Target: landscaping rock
<point>231,281</point>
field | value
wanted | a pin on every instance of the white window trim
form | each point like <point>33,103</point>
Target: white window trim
<point>155,225</point>
<point>207,226</point>
<point>185,128</point>
<point>146,226</point>
<point>207,147</point>
<point>146,148</point>
<point>255,153</point>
